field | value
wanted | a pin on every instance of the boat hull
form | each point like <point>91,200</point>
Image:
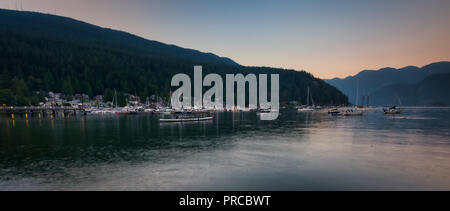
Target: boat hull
<point>392,112</point>
<point>186,120</point>
<point>305,109</point>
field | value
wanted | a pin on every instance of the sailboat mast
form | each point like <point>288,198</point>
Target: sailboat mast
<point>115,97</point>
<point>307,97</point>
<point>357,89</point>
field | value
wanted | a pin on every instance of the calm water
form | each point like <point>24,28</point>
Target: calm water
<point>236,151</point>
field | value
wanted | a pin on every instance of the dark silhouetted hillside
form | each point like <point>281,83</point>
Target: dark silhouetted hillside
<point>57,27</point>
<point>51,53</point>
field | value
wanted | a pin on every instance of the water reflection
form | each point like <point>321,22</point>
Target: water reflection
<point>236,151</point>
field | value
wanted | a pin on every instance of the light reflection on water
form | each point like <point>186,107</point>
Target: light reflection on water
<point>236,151</point>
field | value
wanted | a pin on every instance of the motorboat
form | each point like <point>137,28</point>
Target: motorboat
<point>392,110</point>
<point>334,111</point>
<point>305,109</point>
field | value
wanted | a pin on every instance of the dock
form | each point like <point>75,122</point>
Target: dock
<point>38,112</point>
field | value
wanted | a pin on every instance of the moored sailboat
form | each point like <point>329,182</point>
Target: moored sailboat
<point>394,109</point>
<point>307,107</point>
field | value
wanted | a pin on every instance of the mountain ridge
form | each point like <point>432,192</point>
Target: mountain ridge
<point>44,24</point>
<point>427,66</point>
<point>59,57</point>
<point>431,91</point>
<point>372,80</point>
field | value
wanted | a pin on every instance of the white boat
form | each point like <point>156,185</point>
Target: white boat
<point>187,119</point>
<point>96,111</point>
<point>265,111</point>
<point>149,110</point>
<point>127,110</point>
<point>165,111</point>
<point>111,110</point>
<point>392,110</point>
<point>307,107</point>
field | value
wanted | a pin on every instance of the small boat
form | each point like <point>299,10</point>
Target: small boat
<point>165,111</point>
<point>187,119</point>
<point>263,110</point>
<point>111,110</point>
<point>309,108</point>
<point>334,111</point>
<point>392,110</point>
<point>149,110</point>
<point>96,111</point>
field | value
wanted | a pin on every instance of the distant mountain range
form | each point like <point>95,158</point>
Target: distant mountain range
<point>41,52</point>
<point>410,85</point>
<point>434,90</point>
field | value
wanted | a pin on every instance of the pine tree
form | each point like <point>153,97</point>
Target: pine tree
<point>67,88</point>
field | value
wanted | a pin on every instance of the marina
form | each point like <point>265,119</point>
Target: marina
<point>207,97</point>
<point>65,111</point>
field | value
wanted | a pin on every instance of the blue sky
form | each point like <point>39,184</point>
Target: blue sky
<point>328,38</point>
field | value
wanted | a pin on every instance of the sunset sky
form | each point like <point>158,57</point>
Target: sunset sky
<point>328,38</point>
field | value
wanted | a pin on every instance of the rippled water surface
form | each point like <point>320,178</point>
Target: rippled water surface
<point>236,151</point>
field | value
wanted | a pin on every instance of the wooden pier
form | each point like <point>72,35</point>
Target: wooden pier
<point>39,112</point>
